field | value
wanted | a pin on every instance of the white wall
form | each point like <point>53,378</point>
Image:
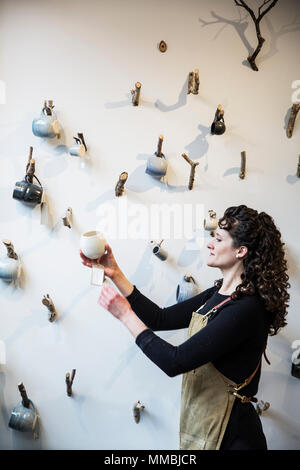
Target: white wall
<point>86,56</point>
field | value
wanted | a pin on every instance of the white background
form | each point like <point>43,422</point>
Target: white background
<point>87,56</point>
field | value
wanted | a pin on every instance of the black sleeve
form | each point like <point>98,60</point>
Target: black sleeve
<point>233,325</point>
<point>170,318</point>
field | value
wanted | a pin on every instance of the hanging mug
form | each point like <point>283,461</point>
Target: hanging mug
<point>10,266</point>
<point>211,222</point>
<point>156,166</point>
<point>28,192</point>
<point>79,148</point>
<point>187,288</point>
<point>158,251</point>
<point>22,418</point>
<point>92,244</point>
<point>47,124</point>
<point>10,269</point>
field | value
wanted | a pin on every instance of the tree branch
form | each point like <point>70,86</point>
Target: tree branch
<point>256,20</point>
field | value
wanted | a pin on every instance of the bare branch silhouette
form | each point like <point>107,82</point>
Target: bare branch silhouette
<point>257,19</point>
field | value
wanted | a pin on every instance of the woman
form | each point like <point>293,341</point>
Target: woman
<point>228,325</point>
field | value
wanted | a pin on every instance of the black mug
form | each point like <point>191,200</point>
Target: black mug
<point>28,192</point>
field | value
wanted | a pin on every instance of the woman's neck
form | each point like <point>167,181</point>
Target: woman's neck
<point>231,279</point>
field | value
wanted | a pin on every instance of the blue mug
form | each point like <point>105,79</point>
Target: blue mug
<point>22,418</point>
<point>46,125</point>
<point>187,288</point>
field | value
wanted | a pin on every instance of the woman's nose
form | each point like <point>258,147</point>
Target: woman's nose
<point>209,246</point>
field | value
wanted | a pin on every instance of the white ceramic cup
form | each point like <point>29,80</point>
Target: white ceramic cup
<point>10,269</point>
<point>92,244</point>
<point>77,150</point>
<point>211,222</point>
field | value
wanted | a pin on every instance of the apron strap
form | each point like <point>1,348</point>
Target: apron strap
<point>214,309</point>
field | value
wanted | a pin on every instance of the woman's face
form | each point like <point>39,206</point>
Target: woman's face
<point>222,254</point>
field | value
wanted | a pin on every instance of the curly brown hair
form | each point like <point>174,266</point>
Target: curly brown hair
<point>265,266</point>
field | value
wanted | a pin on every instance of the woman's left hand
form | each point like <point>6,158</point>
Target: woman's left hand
<point>114,302</point>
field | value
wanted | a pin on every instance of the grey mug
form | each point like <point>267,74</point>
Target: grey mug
<point>22,418</point>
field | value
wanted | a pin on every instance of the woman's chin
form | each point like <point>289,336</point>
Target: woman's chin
<point>210,262</point>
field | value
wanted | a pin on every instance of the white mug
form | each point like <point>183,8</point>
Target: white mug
<point>92,244</point>
<point>10,269</point>
<point>211,223</point>
<point>77,150</point>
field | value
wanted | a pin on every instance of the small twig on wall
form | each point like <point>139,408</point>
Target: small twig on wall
<point>193,169</point>
<point>294,111</point>
<point>298,168</point>
<point>69,382</point>
<point>193,83</point>
<point>10,249</point>
<point>25,399</point>
<point>137,408</point>
<point>257,19</point>
<point>243,165</point>
<point>67,218</point>
<point>81,138</point>
<point>159,146</point>
<point>30,167</point>
<point>119,189</point>
<point>50,306</point>
<point>136,94</point>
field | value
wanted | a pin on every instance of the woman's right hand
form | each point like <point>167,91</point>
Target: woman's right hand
<point>111,268</point>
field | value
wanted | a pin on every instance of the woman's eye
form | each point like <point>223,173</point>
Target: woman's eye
<point>218,239</point>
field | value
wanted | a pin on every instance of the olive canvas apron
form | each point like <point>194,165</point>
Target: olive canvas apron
<point>207,398</point>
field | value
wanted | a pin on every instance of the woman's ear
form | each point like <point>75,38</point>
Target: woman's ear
<point>243,250</point>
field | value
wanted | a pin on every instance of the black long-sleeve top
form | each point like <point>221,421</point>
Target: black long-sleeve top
<point>233,339</point>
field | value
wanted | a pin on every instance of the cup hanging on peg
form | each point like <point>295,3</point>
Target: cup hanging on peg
<point>218,126</point>
<point>211,222</point>
<point>10,266</point>
<point>79,148</point>
<point>158,251</point>
<point>157,163</point>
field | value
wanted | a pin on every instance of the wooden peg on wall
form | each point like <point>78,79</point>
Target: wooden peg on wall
<point>69,382</point>
<point>10,249</point>
<point>30,167</point>
<point>193,83</point>
<point>193,169</point>
<point>48,106</point>
<point>243,165</point>
<point>25,399</point>
<point>294,111</point>
<point>137,409</point>
<point>136,94</point>
<point>50,306</point>
<point>81,139</point>
<point>162,46</point>
<point>158,152</point>
<point>67,218</point>
<point>119,189</point>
